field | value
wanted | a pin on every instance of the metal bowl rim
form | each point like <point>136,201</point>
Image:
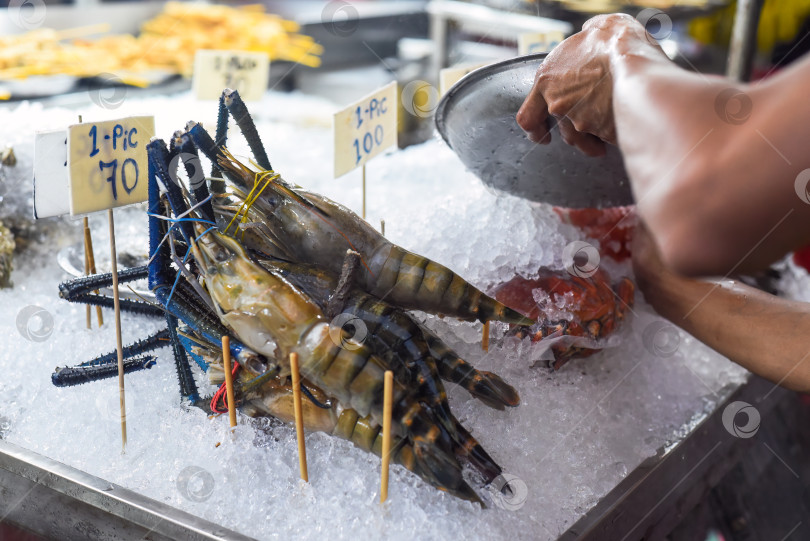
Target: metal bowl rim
<point>473,77</point>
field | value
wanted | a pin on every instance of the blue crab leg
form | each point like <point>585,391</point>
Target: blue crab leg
<point>191,161</point>
<point>239,112</point>
<point>158,273</point>
<point>159,163</point>
<point>203,141</point>
<point>188,388</point>
<point>150,343</point>
<point>80,290</point>
<point>159,159</point>
<point>230,101</point>
<point>106,366</point>
<point>76,375</point>
<point>174,294</point>
<point>222,124</point>
<point>216,182</point>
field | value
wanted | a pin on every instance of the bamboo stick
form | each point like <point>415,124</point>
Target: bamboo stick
<point>118,345</point>
<point>299,420</point>
<point>388,392</point>
<point>226,363</point>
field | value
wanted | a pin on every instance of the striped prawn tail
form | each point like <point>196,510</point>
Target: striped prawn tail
<point>487,387</point>
<point>415,282</point>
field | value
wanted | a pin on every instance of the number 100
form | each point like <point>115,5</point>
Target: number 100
<point>369,143</point>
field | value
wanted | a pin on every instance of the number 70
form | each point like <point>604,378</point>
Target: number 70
<point>112,178</point>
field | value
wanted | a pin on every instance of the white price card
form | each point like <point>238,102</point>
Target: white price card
<point>539,42</point>
<point>107,163</point>
<point>214,71</point>
<point>365,128</point>
<point>51,191</point>
<point>450,76</point>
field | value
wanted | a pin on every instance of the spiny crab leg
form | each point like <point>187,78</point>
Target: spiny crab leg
<point>181,265</point>
<point>81,290</point>
<point>243,119</point>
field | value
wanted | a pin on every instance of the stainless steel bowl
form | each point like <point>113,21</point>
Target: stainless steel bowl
<point>477,120</point>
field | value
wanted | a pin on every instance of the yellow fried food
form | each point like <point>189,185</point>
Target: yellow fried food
<point>167,43</point>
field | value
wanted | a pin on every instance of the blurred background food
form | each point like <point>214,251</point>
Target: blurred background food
<point>166,43</point>
<point>46,46</point>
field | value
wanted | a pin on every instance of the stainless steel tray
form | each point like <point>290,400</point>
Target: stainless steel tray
<point>654,497</point>
<point>477,120</point>
<point>59,502</point>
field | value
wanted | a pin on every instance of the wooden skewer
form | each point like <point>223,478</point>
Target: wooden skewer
<point>485,337</point>
<point>382,227</point>
<point>88,310</point>
<point>388,395</point>
<point>118,345</point>
<point>364,191</point>
<point>299,418</point>
<point>226,364</point>
<point>90,267</point>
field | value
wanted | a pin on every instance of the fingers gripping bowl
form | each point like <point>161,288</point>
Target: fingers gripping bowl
<point>476,118</point>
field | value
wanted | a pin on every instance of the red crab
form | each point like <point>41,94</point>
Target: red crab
<point>612,227</point>
<point>594,305</point>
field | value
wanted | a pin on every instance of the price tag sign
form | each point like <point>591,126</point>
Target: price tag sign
<point>107,163</point>
<point>450,76</point>
<point>541,42</point>
<point>366,128</point>
<point>214,71</point>
<point>51,191</point>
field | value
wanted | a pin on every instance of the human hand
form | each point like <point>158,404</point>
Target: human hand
<point>574,84</point>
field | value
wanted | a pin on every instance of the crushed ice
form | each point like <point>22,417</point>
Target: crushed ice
<point>576,434</point>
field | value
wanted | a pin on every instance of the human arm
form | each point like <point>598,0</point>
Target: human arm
<point>715,185</point>
<point>767,335</point>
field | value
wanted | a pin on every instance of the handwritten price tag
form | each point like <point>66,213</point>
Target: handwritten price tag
<point>244,71</point>
<point>51,192</point>
<point>107,163</point>
<point>365,128</point>
<point>450,76</point>
<point>542,42</point>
